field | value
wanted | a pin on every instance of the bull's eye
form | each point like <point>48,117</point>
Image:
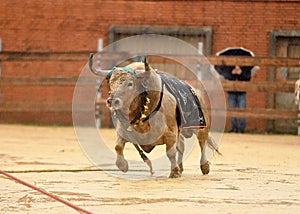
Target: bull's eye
<point>130,84</point>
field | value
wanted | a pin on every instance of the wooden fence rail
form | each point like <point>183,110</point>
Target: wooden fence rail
<point>227,85</point>
<point>269,87</point>
<point>38,81</point>
<point>263,113</point>
<point>214,60</point>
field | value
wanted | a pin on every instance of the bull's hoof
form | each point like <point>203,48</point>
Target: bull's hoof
<point>180,168</point>
<point>205,168</point>
<point>122,164</point>
<point>175,173</point>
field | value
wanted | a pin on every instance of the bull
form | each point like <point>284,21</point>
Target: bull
<point>147,113</point>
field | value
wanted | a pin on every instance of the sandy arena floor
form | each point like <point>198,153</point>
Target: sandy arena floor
<point>256,174</point>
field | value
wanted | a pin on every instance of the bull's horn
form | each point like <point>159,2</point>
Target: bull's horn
<point>102,73</point>
<point>146,63</point>
<point>91,64</point>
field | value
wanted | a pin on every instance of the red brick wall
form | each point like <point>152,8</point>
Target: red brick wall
<point>35,25</point>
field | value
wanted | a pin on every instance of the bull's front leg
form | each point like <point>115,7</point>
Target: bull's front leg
<point>121,162</point>
<point>171,153</point>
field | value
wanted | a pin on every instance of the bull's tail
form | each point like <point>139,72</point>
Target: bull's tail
<point>213,145</point>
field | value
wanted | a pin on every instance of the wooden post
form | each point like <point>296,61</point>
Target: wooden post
<point>298,119</point>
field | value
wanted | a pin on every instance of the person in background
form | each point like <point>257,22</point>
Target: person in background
<point>238,99</point>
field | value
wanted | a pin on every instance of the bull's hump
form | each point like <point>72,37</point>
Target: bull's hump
<point>136,66</point>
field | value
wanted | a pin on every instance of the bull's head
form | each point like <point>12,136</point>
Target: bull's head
<point>130,86</point>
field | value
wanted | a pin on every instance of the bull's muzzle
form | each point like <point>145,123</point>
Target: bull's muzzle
<point>114,103</point>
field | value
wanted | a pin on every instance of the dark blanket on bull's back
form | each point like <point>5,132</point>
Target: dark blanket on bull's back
<point>191,115</point>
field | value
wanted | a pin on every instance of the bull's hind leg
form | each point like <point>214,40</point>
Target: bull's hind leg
<point>171,153</point>
<point>180,151</point>
<point>202,137</point>
<point>121,162</point>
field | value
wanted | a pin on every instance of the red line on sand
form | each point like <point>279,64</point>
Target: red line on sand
<point>45,192</point>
